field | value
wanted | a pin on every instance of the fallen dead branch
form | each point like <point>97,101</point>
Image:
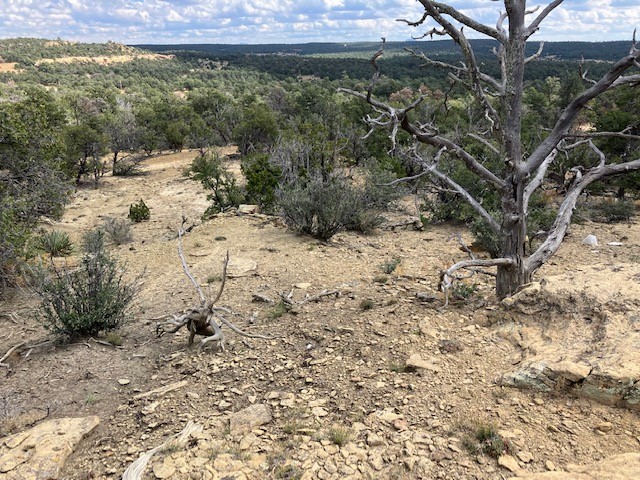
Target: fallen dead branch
<point>161,390</point>
<point>22,347</point>
<point>207,319</point>
<point>177,441</point>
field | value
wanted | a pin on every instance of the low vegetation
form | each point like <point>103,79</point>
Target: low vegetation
<point>87,300</point>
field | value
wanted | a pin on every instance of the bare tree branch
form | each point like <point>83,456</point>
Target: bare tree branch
<point>536,55</point>
<point>563,219</point>
<point>473,71</point>
<point>185,267</point>
<point>533,185</point>
<point>442,8</point>
<point>447,277</point>
<point>622,134</point>
<point>570,113</point>
<point>535,25</point>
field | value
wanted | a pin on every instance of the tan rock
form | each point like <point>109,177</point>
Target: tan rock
<point>247,209</point>
<point>43,448</point>
<point>617,467</point>
<point>253,416</point>
<point>164,470</point>
<point>416,362</point>
<point>573,372</point>
<point>509,462</point>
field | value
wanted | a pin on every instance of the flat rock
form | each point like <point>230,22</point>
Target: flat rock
<point>618,467</point>
<point>508,462</point>
<point>41,451</point>
<point>241,267</point>
<point>416,362</point>
<point>245,420</point>
<point>574,372</point>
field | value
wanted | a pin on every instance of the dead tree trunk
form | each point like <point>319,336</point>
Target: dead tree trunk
<point>500,99</point>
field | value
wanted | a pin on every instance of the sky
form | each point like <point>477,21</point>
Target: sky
<point>285,21</point>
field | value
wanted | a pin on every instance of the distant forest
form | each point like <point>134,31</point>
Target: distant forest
<point>337,60</point>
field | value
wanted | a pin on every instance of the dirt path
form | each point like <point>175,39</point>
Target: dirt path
<point>338,368</point>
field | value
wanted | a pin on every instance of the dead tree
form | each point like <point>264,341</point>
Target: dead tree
<point>206,319</point>
<point>500,99</point>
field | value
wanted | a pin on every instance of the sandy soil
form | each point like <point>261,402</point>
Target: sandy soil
<point>339,361</point>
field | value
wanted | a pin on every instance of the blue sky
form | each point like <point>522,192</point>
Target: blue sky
<point>284,21</point>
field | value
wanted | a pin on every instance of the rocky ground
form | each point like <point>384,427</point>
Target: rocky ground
<point>377,381</point>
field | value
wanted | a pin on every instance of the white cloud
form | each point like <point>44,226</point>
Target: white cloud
<point>254,21</point>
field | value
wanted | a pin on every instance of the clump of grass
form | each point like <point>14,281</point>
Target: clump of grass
<point>214,278</point>
<point>382,279</point>
<point>486,439</point>
<point>366,304</point>
<point>92,399</point>
<point>339,435</point>
<point>287,472</point>
<point>113,338</point>
<point>390,266</point>
<point>398,367</point>
<point>278,310</point>
<point>55,243</point>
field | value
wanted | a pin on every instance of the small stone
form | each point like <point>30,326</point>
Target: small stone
<point>525,456</point>
<point>374,440</point>
<point>163,470</point>
<point>590,240</point>
<point>508,462</point>
<point>247,209</point>
<point>193,395</point>
<point>604,426</point>
<point>253,416</point>
<point>124,381</point>
<point>549,465</point>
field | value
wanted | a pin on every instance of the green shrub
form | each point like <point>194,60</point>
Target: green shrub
<point>55,243</point>
<point>322,208</point>
<point>223,190</point>
<point>118,230</point>
<point>139,212</point>
<point>390,266</point>
<point>485,237</point>
<point>127,168</point>
<point>263,179</point>
<point>487,440</point>
<point>366,304</point>
<point>87,300</point>
<point>613,212</point>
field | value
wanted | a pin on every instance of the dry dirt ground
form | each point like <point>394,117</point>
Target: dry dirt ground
<point>341,402</point>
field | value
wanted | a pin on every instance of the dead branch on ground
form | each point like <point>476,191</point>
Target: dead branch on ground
<point>207,319</point>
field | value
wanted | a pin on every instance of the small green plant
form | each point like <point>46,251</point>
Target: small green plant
<point>220,239</point>
<point>382,279</point>
<point>90,299</point>
<point>390,266</point>
<point>213,278</point>
<point>55,243</point>
<point>278,310</point>
<point>486,439</point>
<point>463,291</point>
<point>118,230</point>
<point>366,304</point>
<point>339,435</point>
<point>287,472</point>
<point>92,399</point>
<point>139,212</point>
<point>113,338</point>
<point>398,367</point>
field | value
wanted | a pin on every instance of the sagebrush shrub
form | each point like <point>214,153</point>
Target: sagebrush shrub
<point>87,300</point>
<point>118,230</point>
